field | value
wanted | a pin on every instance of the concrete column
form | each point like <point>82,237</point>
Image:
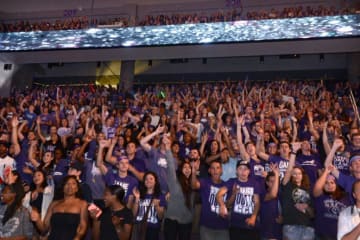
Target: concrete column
<point>353,67</point>
<point>7,71</point>
<point>127,76</point>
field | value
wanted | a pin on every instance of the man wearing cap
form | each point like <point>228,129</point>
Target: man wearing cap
<point>346,181</point>
<point>121,178</point>
<point>245,197</point>
<point>5,160</point>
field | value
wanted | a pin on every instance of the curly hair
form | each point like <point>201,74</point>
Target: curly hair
<point>143,189</point>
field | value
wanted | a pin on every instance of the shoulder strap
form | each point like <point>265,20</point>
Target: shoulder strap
<point>148,210</point>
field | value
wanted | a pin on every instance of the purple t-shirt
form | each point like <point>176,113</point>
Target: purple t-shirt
<point>282,164</point>
<point>157,163</point>
<point>210,208</point>
<point>269,211</point>
<point>138,162</point>
<point>341,162</point>
<point>128,182</point>
<point>327,213</point>
<point>311,165</point>
<point>346,182</point>
<point>244,203</point>
<point>153,220</point>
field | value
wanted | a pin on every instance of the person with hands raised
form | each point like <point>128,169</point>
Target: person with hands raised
<point>338,156</point>
<point>212,227</point>
<point>270,212</point>
<point>180,203</point>
<point>156,161</point>
<point>121,178</point>
<point>248,152</point>
<point>296,201</point>
<point>245,200</point>
<point>330,200</point>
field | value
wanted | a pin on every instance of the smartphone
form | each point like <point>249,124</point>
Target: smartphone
<point>93,207</point>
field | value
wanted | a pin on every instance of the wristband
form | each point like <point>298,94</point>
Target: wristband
<point>292,152</point>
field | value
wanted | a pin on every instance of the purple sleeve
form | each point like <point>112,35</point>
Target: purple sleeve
<point>345,182</point>
<point>109,178</point>
<point>162,201</point>
<point>92,149</point>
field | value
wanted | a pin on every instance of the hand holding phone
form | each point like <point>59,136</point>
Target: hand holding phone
<point>94,210</point>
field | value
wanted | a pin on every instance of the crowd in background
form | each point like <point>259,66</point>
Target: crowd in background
<point>78,22</point>
<point>81,162</point>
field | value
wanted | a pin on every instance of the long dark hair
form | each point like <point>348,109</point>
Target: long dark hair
<point>118,191</point>
<point>185,184</point>
<point>143,189</point>
<point>44,184</point>
<point>65,180</point>
<point>18,189</point>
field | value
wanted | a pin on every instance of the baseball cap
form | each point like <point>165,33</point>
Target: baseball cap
<point>354,158</point>
<point>243,163</point>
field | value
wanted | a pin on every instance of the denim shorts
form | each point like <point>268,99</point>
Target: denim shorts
<point>298,232</point>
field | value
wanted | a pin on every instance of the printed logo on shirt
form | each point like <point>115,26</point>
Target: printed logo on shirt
<point>258,170</point>
<point>214,206</point>
<point>244,203</point>
<point>300,196</point>
<point>162,162</point>
<point>10,227</point>
<point>283,165</point>
<point>341,162</point>
<point>309,163</point>
<point>152,216</point>
<point>124,185</point>
<point>333,207</point>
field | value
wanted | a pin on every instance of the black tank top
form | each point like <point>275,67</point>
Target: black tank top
<point>64,226</point>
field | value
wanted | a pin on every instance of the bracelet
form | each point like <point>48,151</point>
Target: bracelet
<point>293,152</point>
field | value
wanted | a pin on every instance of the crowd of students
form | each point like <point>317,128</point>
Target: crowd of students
<point>252,160</point>
<point>77,22</point>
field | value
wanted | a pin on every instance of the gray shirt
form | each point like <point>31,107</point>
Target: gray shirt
<point>18,225</point>
<point>176,207</point>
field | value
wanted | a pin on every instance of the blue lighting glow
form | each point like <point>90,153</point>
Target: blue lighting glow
<point>221,32</point>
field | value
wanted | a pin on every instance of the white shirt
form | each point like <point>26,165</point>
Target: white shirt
<point>5,162</point>
<point>349,218</point>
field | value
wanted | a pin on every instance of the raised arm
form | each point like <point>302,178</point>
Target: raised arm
<point>109,157</point>
<point>14,135</point>
<point>325,139</point>
<point>295,148</point>
<point>99,160</point>
<point>260,147</point>
<point>195,183</point>
<point>144,142</point>
<point>312,130</point>
<point>38,130</point>
<point>330,157</point>
<point>239,125</point>
<point>273,192</point>
<point>320,183</point>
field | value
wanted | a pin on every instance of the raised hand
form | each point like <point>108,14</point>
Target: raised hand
<point>14,122</point>
<point>296,146</point>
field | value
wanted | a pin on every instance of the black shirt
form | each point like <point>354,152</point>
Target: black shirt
<point>107,229</point>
